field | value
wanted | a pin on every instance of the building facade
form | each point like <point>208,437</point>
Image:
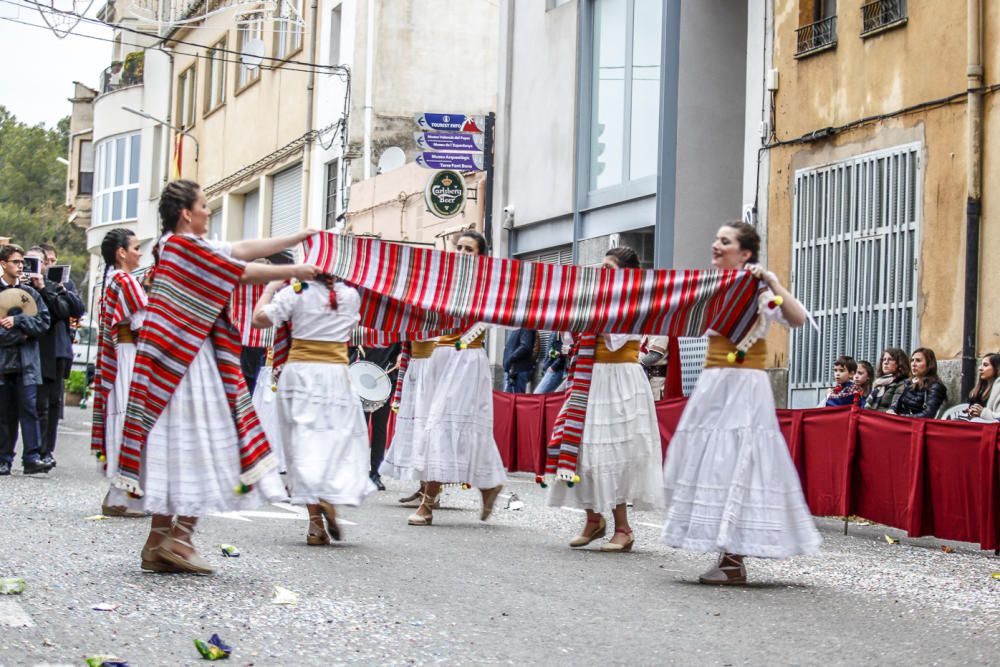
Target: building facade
<point>875,174</point>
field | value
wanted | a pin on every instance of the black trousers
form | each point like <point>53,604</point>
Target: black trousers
<point>19,407</point>
<point>251,359</point>
<point>50,407</point>
<point>378,421</point>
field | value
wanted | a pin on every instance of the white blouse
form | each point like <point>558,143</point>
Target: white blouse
<point>310,313</point>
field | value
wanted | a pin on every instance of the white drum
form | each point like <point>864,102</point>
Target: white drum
<point>372,384</point>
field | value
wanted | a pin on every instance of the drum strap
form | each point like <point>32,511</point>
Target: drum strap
<point>318,351</point>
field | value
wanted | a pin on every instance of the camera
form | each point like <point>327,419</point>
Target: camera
<point>31,266</point>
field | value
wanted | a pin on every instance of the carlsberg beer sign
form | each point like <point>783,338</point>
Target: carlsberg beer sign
<point>445,193</point>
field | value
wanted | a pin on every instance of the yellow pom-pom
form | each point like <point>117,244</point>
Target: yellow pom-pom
<point>576,479</point>
<point>102,458</point>
<point>731,357</point>
<point>778,301</point>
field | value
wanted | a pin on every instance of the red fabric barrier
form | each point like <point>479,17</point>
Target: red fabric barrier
<point>927,477</point>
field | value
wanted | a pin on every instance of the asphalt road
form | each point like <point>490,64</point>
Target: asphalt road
<point>463,592</point>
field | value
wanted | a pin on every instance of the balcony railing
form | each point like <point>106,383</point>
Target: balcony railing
<point>816,36</point>
<point>123,74</point>
<point>882,14</point>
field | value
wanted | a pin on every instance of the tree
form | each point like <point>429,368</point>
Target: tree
<point>33,191</point>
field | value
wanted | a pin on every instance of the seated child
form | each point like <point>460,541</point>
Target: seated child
<point>842,392</point>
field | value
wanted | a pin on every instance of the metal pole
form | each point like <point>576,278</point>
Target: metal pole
<point>491,121</point>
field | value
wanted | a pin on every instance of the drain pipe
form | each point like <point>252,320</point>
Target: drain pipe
<point>310,103</point>
<point>369,83</point>
<point>973,204</point>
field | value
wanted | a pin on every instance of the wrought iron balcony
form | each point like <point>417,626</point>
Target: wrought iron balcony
<point>881,15</point>
<point>816,36</point>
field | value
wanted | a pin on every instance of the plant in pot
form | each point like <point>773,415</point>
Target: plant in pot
<point>76,387</point>
<point>132,70</point>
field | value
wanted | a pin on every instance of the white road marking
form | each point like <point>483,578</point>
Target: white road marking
<point>13,615</point>
<point>292,512</point>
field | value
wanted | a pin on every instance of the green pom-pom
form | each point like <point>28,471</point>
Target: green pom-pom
<point>242,489</point>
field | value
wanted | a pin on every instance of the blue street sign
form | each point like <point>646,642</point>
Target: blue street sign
<point>448,141</point>
<point>450,122</point>
<point>455,161</point>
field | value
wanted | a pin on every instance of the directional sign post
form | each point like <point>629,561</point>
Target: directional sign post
<point>448,160</point>
<point>450,122</point>
<point>448,141</point>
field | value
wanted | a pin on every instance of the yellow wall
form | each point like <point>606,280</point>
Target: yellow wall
<point>921,61</point>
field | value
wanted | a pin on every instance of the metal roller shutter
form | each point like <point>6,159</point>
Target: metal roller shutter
<point>251,215</point>
<point>286,202</point>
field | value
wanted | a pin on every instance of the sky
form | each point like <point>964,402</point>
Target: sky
<point>37,69</point>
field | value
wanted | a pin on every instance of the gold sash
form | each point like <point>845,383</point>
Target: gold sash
<point>318,351</point>
<point>626,354</point>
<point>125,334</point>
<point>421,349</point>
<point>449,341</point>
<point>719,348</point>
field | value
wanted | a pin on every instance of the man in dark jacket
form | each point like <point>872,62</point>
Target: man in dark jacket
<point>519,360</point>
<point>20,371</point>
<point>55,346</point>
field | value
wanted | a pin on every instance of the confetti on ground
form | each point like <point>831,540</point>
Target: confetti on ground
<point>230,550</point>
<point>891,540</point>
<point>12,586</point>
<point>95,517</point>
<point>105,606</point>
<point>284,596</point>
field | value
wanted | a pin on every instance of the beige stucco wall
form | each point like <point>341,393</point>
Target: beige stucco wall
<point>921,61</point>
<point>392,207</point>
<point>253,122</point>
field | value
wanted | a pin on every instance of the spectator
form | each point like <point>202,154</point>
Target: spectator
<point>553,367</point>
<point>863,382</point>
<point>842,392</point>
<point>55,346</point>
<point>20,371</point>
<point>519,360</point>
<point>888,386</point>
<point>984,399</point>
<point>923,394</point>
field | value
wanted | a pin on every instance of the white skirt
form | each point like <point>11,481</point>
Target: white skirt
<point>456,445</point>
<point>191,461</point>
<point>411,418</point>
<point>265,404</point>
<point>620,456</point>
<point>730,482</point>
<point>325,435</point>
<point>115,406</point>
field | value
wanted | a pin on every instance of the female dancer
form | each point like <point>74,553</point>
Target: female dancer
<point>192,443</point>
<point>620,457</point>
<point>320,418</point>
<point>730,483</point>
<point>457,445</point>
<point>122,306</point>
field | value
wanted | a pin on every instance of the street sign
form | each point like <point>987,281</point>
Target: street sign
<point>445,194</point>
<point>448,141</point>
<point>450,122</point>
<point>456,161</point>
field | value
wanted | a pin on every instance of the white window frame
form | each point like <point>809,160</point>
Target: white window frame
<point>331,196</point>
<point>250,26</point>
<point>288,28</point>
<point>105,188</point>
<point>186,94</point>
<point>215,76</point>
<point>336,26</point>
<point>855,262</point>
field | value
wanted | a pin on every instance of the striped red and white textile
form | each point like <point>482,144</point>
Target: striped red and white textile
<point>245,298</point>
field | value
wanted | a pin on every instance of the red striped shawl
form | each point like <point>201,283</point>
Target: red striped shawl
<point>417,293</point>
<point>123,297</point>
<point>187,304</point>
<point>244,299</point>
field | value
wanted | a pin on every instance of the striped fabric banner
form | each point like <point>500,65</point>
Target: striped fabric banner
<point>241,307</point>
<point>122,298</point>
<point>418,293</point>
<point>188,302</point>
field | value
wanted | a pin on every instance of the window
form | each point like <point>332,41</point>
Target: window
<point>626,91</point>
<point>880,15</point>
<point>288,28</point>
<point>116,186</point>
<point>336,16</point>
<point>854,252</point>
<point>818,31</point>
<point>215,224</point>
<point>332,182</point>
<point>85,179</point>
<point>186,98</point>
<point>215,78</point>
<point>250,44</point>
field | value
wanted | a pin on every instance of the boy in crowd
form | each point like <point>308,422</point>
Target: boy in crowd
<point>842,392</point>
